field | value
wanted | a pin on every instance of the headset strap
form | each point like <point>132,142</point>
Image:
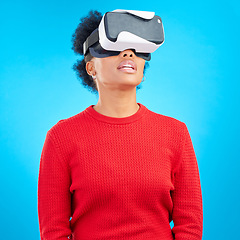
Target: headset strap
<point>92,39</point>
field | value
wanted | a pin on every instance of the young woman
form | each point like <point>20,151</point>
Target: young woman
<point>117,170</point>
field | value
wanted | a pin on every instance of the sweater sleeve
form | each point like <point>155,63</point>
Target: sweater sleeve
<point>187,198</point>
<point>54,197</point>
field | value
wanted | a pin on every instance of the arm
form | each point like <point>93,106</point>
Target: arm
<point>187,199</point>
<point>54,198</point>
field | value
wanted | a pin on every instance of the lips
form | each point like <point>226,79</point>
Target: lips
<point>127,66</point>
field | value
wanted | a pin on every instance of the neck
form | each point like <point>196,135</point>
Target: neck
<point>117,103</point>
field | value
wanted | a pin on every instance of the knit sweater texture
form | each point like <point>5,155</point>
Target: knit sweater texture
<point>104,178</point>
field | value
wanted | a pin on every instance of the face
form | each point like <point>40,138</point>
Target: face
<point>117,72</point>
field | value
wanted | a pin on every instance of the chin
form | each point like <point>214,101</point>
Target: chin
<point>130,83</point>
<point>131,80</point>
<point>128,86</point>
<point>123,82</point>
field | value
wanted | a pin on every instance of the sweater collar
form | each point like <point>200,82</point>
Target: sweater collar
<point>112,120</point>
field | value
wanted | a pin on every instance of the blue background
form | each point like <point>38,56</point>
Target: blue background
<point>193,77</point>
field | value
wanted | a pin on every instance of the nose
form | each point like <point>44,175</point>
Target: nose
<point>128,53</point>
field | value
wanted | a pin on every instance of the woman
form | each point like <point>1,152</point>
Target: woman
<point>117,170</point>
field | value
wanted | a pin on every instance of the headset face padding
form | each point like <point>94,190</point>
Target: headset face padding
<point>99,52</point>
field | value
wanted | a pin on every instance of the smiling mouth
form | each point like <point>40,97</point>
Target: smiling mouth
<point>127,66</point>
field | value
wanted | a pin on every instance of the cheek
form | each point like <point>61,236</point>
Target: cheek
<point>142,64</point>
<point>104,70</point>
<point>100,68</point>
<point>104,66</point>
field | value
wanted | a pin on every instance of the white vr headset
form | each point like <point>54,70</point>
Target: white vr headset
<point>119,30</point>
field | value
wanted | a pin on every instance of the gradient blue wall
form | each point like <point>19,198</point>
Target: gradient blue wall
<point>193,77</point>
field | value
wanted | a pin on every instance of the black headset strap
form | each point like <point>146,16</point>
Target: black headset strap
<point>92,39</point>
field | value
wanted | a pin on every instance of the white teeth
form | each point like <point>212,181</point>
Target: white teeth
<point>128,66</point>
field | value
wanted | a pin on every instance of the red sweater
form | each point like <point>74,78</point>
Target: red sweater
<point>104,178</point>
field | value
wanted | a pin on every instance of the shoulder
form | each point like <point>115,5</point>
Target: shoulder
<point>166,122</point>
<point>68,127</point>
<point>168,128</point>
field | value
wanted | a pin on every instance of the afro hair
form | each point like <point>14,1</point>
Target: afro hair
<point>86,26</point>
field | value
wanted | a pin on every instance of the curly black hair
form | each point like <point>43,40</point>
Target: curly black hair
<point>86,26</point>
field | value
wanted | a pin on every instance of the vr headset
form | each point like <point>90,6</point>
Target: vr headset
<point>119,30</point>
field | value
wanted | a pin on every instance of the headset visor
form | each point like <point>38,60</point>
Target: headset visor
<point>139,31</point>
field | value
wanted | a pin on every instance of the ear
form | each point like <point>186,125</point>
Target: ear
<point>90,68</point>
